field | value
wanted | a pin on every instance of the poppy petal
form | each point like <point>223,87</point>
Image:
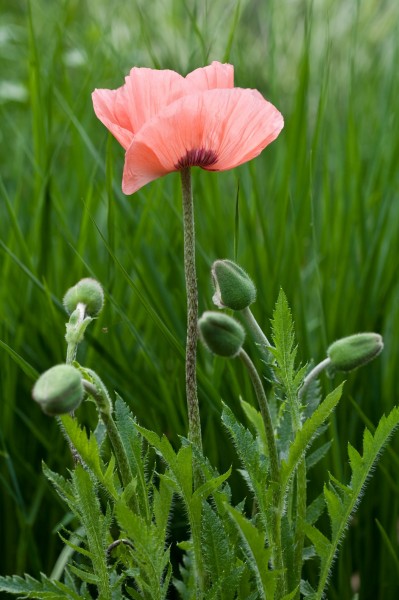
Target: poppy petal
<point>145,93</point>
<point>144,167</point>
<point>216,75</point>
<point>217,130</point>
<point>113,113</point>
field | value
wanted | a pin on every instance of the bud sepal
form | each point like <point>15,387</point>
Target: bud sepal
<point>354,351</point>
<point>233,287</point>
<point>59,390</point>
<point>88,292</point>
<point>221,334</point>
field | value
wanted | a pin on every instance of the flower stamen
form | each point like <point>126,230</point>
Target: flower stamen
<point>197,157</point>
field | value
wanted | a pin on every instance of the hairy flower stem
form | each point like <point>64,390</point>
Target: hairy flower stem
<point>315,372</point>
<point>194,423</point>
<point>100,395</point>
<point>75,325</point>
<point>260,340</point>
<point>255,330</point>
<point>76,322</point>
<point>274,469</point>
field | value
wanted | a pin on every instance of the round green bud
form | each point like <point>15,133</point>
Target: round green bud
<point>233,287</point>
<point>88,292</point>
<point>59,390</point>
<point>354,351</point>
<point>221,334</point>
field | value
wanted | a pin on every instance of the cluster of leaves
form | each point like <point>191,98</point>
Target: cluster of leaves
<point>120,547</point>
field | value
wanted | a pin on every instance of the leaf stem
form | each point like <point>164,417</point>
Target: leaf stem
<point>194,422</point>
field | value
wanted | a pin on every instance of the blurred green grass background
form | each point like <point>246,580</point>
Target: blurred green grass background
<point>318,214</point>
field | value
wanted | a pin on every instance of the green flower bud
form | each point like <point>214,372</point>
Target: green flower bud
<point>354,351</point>
<point>59,390</point>
<point>88,292</point>
<point>222,334</point>
<point>233,287</point>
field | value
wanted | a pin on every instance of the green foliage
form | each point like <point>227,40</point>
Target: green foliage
<point>318,216</point>
<point>284,352</point>
<point>150,559</point>
<point>87,448</point>
<point>257,555</point>
<point>133,445</point>
<point>341,500</point>
<point>254,464</point>
<point>48,589</point>
<point>223,565</point>
<point>306,434</point>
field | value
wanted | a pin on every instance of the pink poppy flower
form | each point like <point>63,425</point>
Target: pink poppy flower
<point>166,122</point>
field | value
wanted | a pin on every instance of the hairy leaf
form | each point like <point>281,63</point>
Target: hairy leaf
<point>257,555</point>
<point>32,588</point>
<point>341,500</point>
<point>133,445</point>
<point>305,435</point>
<point>88,450</point>
<point>255,464</point>
<point>96,526</point>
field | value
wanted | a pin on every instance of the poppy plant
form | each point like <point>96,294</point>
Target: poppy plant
<point>166,122</point>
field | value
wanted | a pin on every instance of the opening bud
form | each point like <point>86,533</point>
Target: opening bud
<point>233,287</point>
<point>88,292</point>
<point>221,334</point>
<point>59,390</point>
<point>354,351</point>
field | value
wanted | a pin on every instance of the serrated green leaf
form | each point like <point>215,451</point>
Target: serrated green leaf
<point>258,556</point>
<point>132,443</point>
<point>88,450</point>
<point>218,555</point>
<point>95,525</point>
<point>334,507</point>
<point>307,590</point>
<point>62,486</point>
<point>291,595</point>
<point>306,434</point>
<point>148,554</point>
<point>83,575</point>
<point>256,466</point>
<point>180,463</point>
<point>210,486</point>
<point>315,509</point>
<point>321,543</point>
<point>355,460</point>
<point>372,447</point>
<point>162,500</point>
<point>255,418</point>
<point>32,588</point>
<point>75,547</point>
<point>226,586</point>
<point>285,351</point>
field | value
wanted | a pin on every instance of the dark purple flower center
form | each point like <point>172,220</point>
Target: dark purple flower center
<point>198,157</point>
